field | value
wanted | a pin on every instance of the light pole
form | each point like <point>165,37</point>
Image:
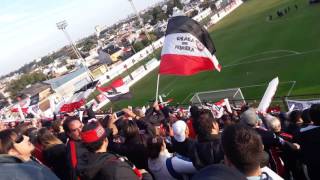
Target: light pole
<point>141,23</point>
<point>62,26</point>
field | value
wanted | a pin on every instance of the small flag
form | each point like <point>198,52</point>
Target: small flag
<point>188,48</point>
<point>116,91</point>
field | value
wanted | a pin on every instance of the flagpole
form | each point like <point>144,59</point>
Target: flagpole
<point>157,90</point>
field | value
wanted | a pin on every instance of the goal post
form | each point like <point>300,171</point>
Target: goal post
<point>234,95</point>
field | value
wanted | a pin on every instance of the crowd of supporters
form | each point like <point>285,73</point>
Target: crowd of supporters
<point>164,142</point>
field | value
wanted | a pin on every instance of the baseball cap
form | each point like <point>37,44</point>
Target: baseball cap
<point>179,129</point>
<point>94,134</point>
<point>249,117</point>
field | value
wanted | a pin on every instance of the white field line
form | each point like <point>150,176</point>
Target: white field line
<point>265,59</point>
<point>272,58</point>
<point>265,52</point>
<point>187,97</point>
<point>293,84</point>
<point>168,85</point>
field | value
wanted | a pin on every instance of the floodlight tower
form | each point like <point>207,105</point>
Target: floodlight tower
<point>62,26</point>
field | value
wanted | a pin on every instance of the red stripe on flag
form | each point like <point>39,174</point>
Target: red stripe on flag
<point>72,106</point>
<point>115,84</point>
<point>184,65</point>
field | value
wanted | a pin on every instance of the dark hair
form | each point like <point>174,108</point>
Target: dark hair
<point>22,128</point>
<point>6,140</point>
<point>32,133</point>
<point>194,112</point>
<point>154,145</point>
<point>205,124</point>
<point>243,147</point>
<point>306,116</point>
<point>295,116</point>
<point>56,125</point>
<point>105,121</point>
<point>315,113</point>
<point>67,122</point>
<point>94,146</point>
<point>131,130</point>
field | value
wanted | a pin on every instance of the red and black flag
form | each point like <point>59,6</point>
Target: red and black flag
<point>79,97</point>
<point>116,91</point>
<point>188,48</point>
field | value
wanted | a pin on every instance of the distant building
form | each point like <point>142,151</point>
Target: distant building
<point>98,70</point>
<point>65,85</point>
<point>41,89</point>
<point>114,51</point>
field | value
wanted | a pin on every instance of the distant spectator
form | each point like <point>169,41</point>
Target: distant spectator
<point>306,118</point>
<point>295,122</point>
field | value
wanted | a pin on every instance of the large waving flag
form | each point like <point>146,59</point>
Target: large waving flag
<point>188,48</point>
<point>79,97</point>
<point>116,91</point>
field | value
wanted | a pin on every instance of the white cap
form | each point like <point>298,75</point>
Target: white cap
<point>179,129</point>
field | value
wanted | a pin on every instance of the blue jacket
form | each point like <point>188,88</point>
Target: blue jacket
<point>12,168</point>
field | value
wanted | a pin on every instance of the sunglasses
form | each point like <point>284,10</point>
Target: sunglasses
<point>19,138</point>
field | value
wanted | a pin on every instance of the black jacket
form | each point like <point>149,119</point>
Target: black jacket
<point>135,150</point>
<point>269,139</point>
<point>182,148</point>
<point>309,140</point>
<point>101,166</point>
<point>154,117</point>
<point>207,151</point>
<point>75,150</point>
<point>12,168</point>
<point>55,158</point>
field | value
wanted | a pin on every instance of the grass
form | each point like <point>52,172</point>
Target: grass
<point>287,47</point>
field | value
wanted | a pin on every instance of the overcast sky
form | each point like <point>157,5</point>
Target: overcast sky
<point>28,27</point>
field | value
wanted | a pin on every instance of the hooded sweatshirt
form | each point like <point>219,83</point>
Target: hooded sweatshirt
<point>101,166</point>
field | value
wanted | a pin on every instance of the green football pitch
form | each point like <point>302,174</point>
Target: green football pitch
<point>252,51</point>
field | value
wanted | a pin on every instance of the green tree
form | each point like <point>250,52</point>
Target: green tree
<point>138,46</point>
<point>16,86</point>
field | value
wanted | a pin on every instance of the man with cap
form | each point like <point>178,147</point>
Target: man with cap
<point>269,139</point>
<point>181,144</point>
<point>251,119</point>
<point>99,164</point>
